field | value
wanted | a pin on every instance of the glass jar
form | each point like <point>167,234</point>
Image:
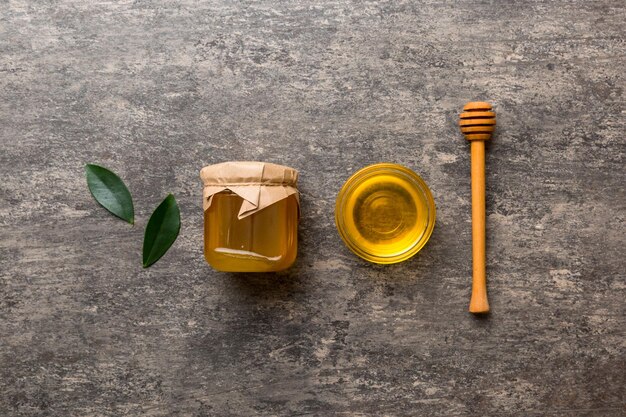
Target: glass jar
<point>251,212</point>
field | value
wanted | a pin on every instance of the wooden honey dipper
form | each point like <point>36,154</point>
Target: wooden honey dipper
<point>477,124</point>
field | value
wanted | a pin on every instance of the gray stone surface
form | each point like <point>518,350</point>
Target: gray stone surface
<point>157,89</point>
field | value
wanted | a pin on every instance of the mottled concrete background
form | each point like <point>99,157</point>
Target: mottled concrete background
<point>157,89</point>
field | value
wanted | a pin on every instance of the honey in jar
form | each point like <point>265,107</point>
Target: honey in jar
<point>250,217</point>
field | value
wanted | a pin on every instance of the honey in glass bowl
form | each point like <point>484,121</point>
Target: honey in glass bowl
<point>385,213</point>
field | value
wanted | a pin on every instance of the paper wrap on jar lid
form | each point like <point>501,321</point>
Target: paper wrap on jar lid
<point>259,184</point>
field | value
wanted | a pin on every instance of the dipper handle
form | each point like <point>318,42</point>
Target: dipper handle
<point>478,302</point>
<point>477,124</point>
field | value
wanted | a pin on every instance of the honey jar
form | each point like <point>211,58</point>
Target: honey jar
<point>251,212</point>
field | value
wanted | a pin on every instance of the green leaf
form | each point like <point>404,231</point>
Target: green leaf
<point>109,190</point>
<point>161,231</point>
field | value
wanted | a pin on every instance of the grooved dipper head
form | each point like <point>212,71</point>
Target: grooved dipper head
<point>477,121</point>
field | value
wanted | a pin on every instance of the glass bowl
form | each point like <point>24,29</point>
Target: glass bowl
<point>385,213</point>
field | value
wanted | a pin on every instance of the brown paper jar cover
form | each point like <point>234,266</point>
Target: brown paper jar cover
<point>259,184</point>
